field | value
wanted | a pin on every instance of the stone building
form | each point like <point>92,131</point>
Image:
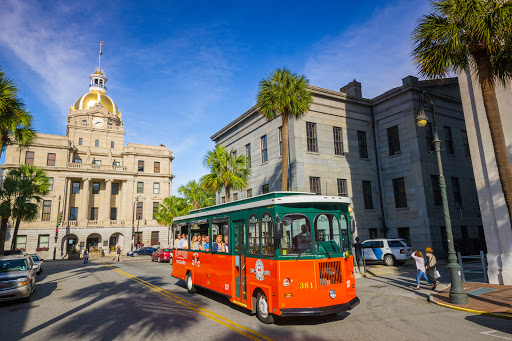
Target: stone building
<point>496,221</point>
<point>371,151</point>
<point>105,191</point>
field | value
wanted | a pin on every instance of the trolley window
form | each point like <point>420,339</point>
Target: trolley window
<point>327,234</point>
<point>254,235</point>
<point>267,236</point>
<point>345,238</point>
<point>296,236</point>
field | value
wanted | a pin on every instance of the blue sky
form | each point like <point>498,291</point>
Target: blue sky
<point>181,70</point>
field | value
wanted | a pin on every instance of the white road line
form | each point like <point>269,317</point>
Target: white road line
<point>489,333</point>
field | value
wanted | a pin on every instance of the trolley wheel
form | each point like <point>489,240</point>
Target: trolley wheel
<point>190,284</point>
<point>262,309</point>
<point>389,260</point>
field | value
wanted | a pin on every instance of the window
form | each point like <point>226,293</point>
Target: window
<point>254,235</point>
<point>314,185</point>
<point>223,200</point>
<point>29,158</point>
<point>436,190</point>
<point>94,213</point>
<point>75,188</point>
<point>50,182</point>
<point>311,137</point>
<point>342,188</point>
<point>43,241</point>
<point>97,162</point>
<point>363,148</point>
<point>265,189</point>
<point>448,140</point>
<point>138,238</point>
<point>95,188</point>
<point>115,188</point>
<point>403,233</point>
<point>235,196</point>
<point>73,213</point>
<point>111,144</point>
<point>393,141</point>
<point>267,235</point>
<point>154,237</point>
<point>280,138</point>
<point>47,209</point>
<point>77,160</point>
<point>80,141</point>
<point>116,163</point>
<point>249,193</point>
<point>139,210</point>
<point>296,236</point>
<point>338,141</point>
<point>429,137</point>
<point>465,141</point>
<point>248,155</point>
<point>264,156</point>
<point>156,167</point>
<point>140,166</point>
<point>21,242</point>
<point>97,143</point>
<point>50,159</point>
<point>399,191</point>
<point>113,213</point>
<point>156,188</point>
<point>456,192</point>
<point>367,195</point>
<point>155,209</point>
<point>327,234</point>
<point>140,187</point>
<point>373,235</point>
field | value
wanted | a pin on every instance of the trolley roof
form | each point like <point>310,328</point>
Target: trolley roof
<point>268,199</point>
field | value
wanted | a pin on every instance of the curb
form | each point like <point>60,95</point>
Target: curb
<point>477,312</point>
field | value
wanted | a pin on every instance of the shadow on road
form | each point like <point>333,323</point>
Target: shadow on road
<point>494,323</point>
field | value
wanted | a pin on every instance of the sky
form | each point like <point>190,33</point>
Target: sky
<point>179,71</point>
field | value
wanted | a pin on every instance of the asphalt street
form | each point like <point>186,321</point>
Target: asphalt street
<point>139,300</point>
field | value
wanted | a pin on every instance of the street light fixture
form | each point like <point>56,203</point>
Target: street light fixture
<point>457,293</point>
<point>59,217</point>
<point>133,222</point>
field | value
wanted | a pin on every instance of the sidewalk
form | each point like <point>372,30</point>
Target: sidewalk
<point>485,299</point>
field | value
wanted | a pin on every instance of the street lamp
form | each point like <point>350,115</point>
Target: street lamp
<point>59,217</point>
<point>133,222</point>
<point>457,293</point>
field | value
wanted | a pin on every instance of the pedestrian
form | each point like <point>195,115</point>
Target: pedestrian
<point>86,256</point>
<point>118,254</point>
<point>420,267</point>
<point>430,266</point>
<point>359,254</point>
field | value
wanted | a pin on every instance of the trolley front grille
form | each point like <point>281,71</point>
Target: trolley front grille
<point>330,273</point>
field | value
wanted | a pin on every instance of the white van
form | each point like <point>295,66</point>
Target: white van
<point>390,251</point>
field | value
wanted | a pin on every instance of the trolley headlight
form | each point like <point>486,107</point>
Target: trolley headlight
<point>347,254</point>
<point>286,282</point>
<point>332,293</point>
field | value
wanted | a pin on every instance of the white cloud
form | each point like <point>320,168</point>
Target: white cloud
<point>375,52</point>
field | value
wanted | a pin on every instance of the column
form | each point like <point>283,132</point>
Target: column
<point>84,200</point>
<point>120,200</point>
<point>105,203</point>
<point>67,196</point>
<point>128,201</point>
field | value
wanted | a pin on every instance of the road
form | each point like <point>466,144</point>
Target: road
<point>139,300</point>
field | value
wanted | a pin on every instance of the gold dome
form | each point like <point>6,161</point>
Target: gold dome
<point>88,100</point>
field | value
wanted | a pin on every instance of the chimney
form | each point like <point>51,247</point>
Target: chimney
<point>352,89</point>
<point>409,80</point>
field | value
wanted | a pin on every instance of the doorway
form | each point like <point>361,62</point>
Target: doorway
<point>240,268</point>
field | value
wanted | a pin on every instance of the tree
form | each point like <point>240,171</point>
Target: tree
<point>226,171</point>
<point>475,35</point>
<point>286,94</point>
<point>15,121</point>
<point>32,183</point>
<point>169,209</point>
<point>196,195</point>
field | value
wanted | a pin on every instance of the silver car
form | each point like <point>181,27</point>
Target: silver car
<point>38,263</point>
<point>17,277</point>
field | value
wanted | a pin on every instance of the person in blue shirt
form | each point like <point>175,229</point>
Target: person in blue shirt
<point>217,246</point>
<point>206,245</point>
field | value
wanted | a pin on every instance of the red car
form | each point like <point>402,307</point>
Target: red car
<point>162,255</point>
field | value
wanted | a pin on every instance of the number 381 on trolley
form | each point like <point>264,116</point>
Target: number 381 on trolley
<point>278,254</point>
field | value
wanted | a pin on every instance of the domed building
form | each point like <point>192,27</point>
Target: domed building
<point>103,193</point>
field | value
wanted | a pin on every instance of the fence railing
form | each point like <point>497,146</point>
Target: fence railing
<point>473,267</point>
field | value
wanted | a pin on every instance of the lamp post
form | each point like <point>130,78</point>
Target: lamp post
<point>59,217</point>
<point>457,293</point>
<point>133,222</point>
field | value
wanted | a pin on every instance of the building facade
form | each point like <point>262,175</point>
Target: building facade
<point>105,192</point>
<point>371,151</point>
<point>496,220</point>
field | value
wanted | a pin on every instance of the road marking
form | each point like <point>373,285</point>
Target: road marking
<point>489,333</point>
<point>251,334</point>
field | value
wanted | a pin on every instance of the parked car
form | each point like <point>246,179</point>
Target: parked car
<point>390,251</point>
<point>162,255</point>
<point>17,277</point>
<point>142,251</point>
<point>38,263</point>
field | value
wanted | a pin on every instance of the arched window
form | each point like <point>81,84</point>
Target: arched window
<point>296,236</point>
<point>254,235</point>
<point>327,234</point>
<point>267,235</point>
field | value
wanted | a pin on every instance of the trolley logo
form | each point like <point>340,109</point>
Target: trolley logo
<point>195,262</point>
<point>260,271</point>
<point>181,257</point>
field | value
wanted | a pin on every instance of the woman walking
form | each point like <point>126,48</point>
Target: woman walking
<point>430,265</point>
<point>420,266</point>
<point>86,256</point>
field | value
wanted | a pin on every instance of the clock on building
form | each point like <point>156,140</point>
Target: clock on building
<point>97,122</point>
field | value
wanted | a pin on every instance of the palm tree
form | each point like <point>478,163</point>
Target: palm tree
<point>286,94</point>
<point>476,35</point>
<point>226,171</point>
<point>32,183</point>
<point>196,195</point>
<point>15,121</point>
<point>169,209</point>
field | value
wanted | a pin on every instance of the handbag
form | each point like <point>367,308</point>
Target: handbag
<point>438,275</point>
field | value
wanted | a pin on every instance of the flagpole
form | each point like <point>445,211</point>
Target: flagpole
<point>99,57</point>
